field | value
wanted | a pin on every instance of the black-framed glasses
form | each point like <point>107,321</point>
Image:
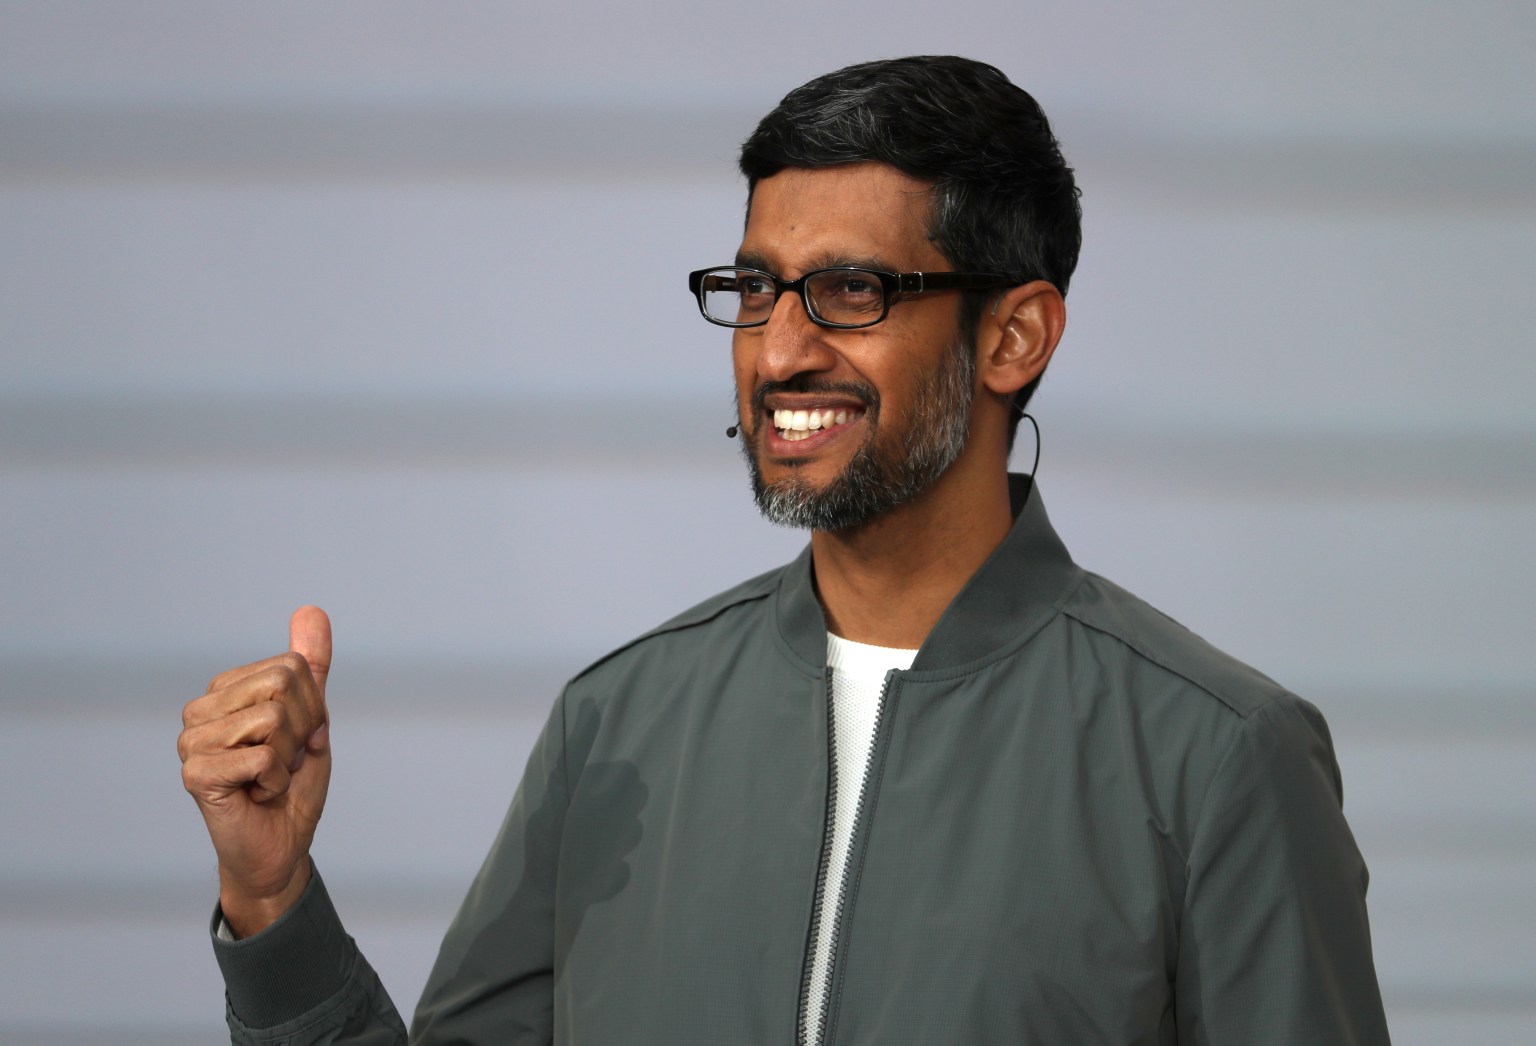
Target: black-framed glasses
<point>844,298</point>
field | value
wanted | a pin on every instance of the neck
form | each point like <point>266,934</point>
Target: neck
<point>888,582</point>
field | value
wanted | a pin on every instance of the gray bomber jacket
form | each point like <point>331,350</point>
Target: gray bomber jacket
<point>1081,824</point>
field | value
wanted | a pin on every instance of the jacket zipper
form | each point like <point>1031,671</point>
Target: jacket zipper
<point>876,753</point>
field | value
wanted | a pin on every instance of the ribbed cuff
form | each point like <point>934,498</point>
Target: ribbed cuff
<point>291,967</point>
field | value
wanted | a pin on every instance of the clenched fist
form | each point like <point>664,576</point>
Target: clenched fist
<point>256,755</point>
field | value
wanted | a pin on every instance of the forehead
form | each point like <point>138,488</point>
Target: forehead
<point>857,214</point>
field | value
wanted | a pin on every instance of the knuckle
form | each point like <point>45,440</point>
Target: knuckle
<point>265,759</point>
<point>271,715</point>
<point>200,776</point>
<point>283,681</point>
<point>280,676</point>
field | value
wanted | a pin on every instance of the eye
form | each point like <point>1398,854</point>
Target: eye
<point>754,289</point>
<point>850,290</point>
<point>739,297</point>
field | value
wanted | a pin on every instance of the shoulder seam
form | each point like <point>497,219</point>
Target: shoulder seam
<point>681,623</point>
<point>1161,663</point>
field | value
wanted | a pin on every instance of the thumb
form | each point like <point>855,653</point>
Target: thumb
<point>309,634</point>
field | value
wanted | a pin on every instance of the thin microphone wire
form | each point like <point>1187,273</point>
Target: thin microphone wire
<point>1035,468</point>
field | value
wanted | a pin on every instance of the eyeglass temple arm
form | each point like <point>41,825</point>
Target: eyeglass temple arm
<point>918,282</point>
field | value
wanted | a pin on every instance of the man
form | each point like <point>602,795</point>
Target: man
<point>930,783</point>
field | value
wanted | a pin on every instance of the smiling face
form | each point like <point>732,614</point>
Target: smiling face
<point>841,426</point>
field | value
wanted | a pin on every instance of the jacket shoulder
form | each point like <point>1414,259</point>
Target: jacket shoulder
<point>1154,637</point>
<point>752,591</point>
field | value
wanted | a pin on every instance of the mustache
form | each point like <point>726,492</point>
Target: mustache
<point>865,394</point>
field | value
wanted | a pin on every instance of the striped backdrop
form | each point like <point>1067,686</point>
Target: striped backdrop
<point>381,306</point>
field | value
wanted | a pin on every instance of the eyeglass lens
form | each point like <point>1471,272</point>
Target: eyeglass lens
<point>848,296</point>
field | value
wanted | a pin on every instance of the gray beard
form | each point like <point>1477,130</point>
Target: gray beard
<point>870,485</point>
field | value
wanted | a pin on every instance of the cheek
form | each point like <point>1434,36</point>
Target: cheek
<point>745,366</point>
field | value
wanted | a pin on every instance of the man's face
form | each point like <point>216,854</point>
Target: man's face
<point>841,426</point>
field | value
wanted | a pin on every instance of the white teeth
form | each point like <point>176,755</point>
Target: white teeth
<point>799,424</point>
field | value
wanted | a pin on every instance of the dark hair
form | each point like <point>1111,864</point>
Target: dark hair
<point>1004,199</point>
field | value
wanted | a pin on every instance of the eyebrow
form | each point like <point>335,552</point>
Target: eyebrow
<point>751,260</point>
<point>826,260</point>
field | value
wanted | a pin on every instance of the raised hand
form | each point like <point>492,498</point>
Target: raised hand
<point>256,756</point>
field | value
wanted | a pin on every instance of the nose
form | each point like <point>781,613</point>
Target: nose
<point>790,343</point>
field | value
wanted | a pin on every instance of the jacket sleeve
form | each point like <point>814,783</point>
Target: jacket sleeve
<point>303,982</point>
<point>1274,946</point>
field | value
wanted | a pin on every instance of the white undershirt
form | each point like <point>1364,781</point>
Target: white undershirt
<point>858,681</point>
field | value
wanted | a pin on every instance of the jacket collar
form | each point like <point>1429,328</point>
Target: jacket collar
<point>1013,593</point>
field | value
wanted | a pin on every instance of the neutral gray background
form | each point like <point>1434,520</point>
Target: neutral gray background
<point>380,305</point>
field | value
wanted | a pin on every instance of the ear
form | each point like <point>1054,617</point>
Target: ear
<point>1017,336</point>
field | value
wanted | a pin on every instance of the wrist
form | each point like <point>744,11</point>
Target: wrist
<point>249,912</point>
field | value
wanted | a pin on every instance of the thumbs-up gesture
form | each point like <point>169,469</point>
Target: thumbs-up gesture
<point>256,755</point>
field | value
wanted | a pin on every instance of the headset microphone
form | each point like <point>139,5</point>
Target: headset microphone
<point>730,433</point>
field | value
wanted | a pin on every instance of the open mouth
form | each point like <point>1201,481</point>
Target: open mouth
<point>795,425</point>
